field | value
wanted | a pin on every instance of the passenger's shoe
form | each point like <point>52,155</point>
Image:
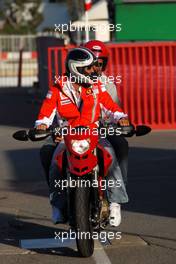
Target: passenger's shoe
<point>115,214</point>
<point>57,215</point>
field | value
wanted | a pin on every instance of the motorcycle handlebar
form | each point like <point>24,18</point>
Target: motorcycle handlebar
<point>38,135</point>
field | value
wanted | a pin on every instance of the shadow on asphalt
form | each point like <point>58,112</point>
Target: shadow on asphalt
<point>152,181</point>
<point>12,231</point>
<point>151,178</point>
<point>25,164</point>
<point>18,107</point>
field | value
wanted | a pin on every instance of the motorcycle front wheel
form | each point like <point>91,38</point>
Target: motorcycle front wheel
<point>84,240</point>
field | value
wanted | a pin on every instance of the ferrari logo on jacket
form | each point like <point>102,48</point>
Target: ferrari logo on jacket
<point>89,91</point>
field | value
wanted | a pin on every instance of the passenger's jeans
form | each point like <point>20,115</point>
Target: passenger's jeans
<point>120,146</point>
<point>114,193</point>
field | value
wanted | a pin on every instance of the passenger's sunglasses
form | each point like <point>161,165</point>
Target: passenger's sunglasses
<point>98,64</point>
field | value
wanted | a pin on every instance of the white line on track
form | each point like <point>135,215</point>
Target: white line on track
<point>47,243</point>
<point>100,256</point>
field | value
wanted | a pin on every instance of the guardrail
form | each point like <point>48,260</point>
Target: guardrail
<point>148,87</point>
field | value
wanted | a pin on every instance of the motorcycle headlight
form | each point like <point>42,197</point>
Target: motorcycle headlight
<point>80,146</point>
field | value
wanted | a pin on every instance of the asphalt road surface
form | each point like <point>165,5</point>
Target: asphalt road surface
<point>27,234</point>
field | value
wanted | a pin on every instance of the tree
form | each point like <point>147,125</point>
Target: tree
<point>21,17</point>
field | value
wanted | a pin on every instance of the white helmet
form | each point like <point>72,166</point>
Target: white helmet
<point>76,61</point>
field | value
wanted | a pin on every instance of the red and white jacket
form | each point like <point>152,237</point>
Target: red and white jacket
<point>62,100</point>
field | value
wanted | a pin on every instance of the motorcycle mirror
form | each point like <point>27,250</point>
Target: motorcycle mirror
<point>142,130</point>
<point>21,135</point>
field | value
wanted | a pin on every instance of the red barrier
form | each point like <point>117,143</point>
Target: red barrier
<point>56,62</point>
<point>148,87</point>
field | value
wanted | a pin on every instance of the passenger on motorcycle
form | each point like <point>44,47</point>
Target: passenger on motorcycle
<point>120,144</point>
<point>78,104</point>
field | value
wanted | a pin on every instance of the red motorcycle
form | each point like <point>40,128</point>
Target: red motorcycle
<point>84,162</point>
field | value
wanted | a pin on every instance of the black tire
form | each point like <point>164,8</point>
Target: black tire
<point>85,244</point>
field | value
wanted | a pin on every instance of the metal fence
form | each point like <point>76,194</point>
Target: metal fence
<point>18,60</point>
<point>12,43</point>
<point>148,87</point>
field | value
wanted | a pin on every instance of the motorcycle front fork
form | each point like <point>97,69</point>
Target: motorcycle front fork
<point>70,206</point>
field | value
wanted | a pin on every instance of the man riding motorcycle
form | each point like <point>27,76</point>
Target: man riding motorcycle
<point>120,144</point>
<point>79,105</point>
